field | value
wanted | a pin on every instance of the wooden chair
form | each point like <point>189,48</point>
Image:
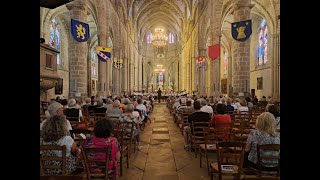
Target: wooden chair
<point>97,168</point>
<point>197,134</point>
<point>184,121</point>
<point>268,152</point>
<point>53,163</point>
<point>228,153</point>
<point>128,137</point>
<point>118,132</point>
<point>211,137</point>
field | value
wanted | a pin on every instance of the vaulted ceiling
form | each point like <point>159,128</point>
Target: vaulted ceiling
<point>167,14</point>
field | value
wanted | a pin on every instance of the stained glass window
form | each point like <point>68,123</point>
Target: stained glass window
<point>263,43</point>
<point>225,63</point>
<point>94,62</point>
<point>171,38</point>
<point>149,36</point>
<point>55,37</point>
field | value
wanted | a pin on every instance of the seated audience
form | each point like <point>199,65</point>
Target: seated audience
<point>55,132</point>
<point>128,116</point>
<point>115,111</point>
<point>102,138</point>
<point>230,108</point>
<point>72,110</point>
<point>205,107</point>
<point>100,107</point>
<point>196,116</point>
<point>265,133</point>
<point>243,108</point>
<point>221,119</point>
<point>56,109</point>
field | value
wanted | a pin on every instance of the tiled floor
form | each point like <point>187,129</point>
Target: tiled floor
<point>163,155</point>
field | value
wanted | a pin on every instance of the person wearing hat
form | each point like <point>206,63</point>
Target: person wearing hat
<point>56,109</point>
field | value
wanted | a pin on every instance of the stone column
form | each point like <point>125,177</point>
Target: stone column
<point>214,67</point>
<point>125,71</point>
<point>140,72</point>
<point>102,28</point>
<point>136,70</point>
<point>116,77</point>
<point>229,80</point>
<point>241,52</point>
<point>78,53</point>
<point>276,66</point>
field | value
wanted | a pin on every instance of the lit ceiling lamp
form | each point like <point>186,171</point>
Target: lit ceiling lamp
<point>159,38</point>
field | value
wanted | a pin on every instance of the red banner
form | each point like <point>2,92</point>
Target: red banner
<point>214,51</point>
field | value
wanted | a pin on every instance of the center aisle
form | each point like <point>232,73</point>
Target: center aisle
<point>163,155</point>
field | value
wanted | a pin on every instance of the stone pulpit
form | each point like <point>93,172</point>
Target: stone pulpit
<point>48,70</point>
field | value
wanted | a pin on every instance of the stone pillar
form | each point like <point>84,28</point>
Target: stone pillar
<point>241,52</point>
<point>229,80</point>
<point>276,66</point>
<point>125,71</point>
<point>116,77</point>
<point>102,18</point>
<point>136,71</point>
<point>140,72</point>
<point>214,67</point>
<point>78,53</point>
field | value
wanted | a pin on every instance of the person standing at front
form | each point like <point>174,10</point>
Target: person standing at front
<point>159,94</point>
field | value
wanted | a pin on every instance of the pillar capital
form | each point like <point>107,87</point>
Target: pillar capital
<point>80,4</point>
<point>242,5</point>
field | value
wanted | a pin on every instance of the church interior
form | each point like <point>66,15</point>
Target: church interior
<point>163,64</point>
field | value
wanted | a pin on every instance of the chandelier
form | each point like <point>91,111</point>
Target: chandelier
<point>159,38</point>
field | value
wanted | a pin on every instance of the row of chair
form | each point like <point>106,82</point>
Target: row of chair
<point>227,143</point>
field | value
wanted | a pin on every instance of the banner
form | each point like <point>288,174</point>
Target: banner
<point>242,30</point>
<point>80,30</point>
<point>117,63</point>
<point>214,51</point>
<point>201,61</point>
<point>104,53</point>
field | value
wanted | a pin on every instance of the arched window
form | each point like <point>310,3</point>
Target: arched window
<point>149,38</point>
<point>225,68</point>
<point>263,43</point>
<point>55,37</point>
<point>171,38</point>
<point>94,64</point>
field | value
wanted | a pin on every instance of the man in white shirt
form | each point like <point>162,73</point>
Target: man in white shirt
<point>205,107</point>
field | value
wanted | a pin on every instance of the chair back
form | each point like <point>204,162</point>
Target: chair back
<point>48,160</point>
<point>230,154</point>
<point>72,112</point>
<point>97,167</point>
<point>268,154</point>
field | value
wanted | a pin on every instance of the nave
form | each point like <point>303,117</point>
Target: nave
<point>163,155</point>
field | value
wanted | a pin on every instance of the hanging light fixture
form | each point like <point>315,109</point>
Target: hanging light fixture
<point>159,38</point>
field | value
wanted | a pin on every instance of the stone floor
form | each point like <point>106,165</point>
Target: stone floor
<point>163,155</point>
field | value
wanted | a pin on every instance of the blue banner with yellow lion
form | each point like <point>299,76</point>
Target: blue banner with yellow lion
<point>80,30</point>
<point>241,30</point>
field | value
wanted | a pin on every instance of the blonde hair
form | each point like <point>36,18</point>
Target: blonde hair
<point>266,123</point>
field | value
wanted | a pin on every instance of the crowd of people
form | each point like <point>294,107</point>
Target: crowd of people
<point>217,112</point>
<point>56,128</point>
